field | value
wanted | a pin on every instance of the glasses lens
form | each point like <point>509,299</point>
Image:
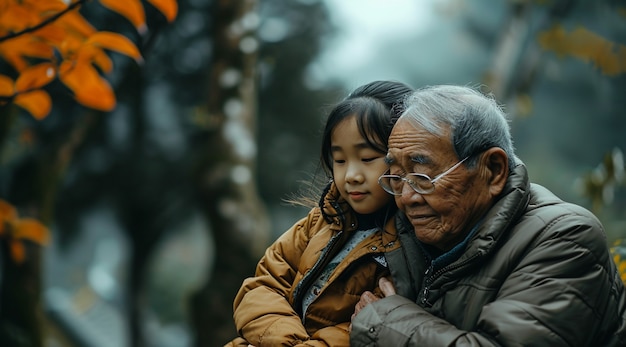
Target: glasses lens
<point>421,183</point>
<point>392,184</point>
<point>396,183</point>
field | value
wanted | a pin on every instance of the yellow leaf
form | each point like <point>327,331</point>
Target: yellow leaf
<point>32,230</point>
<point>18,253</point>
<point>35,77</point>
<point>583,44</point>
<point>131,9</point>
<point>169,8</point>
<point>115,42</point>
<point>37,102</point>
<point>89,88</point>
<point>6,86</point>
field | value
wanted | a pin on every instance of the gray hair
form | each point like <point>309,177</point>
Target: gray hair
<point>476,121</point>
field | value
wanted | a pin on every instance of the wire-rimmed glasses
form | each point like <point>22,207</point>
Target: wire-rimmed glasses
<point>421,183</point>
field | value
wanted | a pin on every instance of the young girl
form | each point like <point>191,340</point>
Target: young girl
<point>307,284</point>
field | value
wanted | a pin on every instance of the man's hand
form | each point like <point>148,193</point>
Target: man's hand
<point>386,287</point>
<point>368,297</point>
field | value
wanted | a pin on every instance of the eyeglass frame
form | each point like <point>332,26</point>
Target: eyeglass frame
<point>412,183</point>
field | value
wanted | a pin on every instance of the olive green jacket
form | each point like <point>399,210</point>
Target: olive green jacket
<point>536,272</point>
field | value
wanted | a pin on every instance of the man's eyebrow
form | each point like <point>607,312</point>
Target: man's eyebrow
<point>389,159</point>
<point>420,159</point>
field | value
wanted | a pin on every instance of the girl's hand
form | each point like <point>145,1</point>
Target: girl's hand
<point>368,297</point>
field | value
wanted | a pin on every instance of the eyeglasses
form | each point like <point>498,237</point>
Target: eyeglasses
<point>393,184</point>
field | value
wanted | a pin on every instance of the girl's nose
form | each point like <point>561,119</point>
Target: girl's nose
<point>354,174</point>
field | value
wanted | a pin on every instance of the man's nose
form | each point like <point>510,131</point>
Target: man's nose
<point>409,195</point>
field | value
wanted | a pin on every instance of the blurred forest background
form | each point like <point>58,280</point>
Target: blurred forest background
<point>159,208</point>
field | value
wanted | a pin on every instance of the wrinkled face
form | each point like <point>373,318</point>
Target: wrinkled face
<point>444,217</point>
<point>356,168</point>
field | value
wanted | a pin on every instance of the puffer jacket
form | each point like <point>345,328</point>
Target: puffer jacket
<point>537,272</point>
<point>267,308</point>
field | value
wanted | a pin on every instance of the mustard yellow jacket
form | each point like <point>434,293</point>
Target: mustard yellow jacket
<point>267,306</point>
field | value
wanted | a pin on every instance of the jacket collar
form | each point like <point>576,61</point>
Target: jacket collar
<point>336,211</point>
<point>505,212</point>
<point>500,217</point>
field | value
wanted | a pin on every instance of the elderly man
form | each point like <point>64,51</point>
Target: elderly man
<point>487,258</point>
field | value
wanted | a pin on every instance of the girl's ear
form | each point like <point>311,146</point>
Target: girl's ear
<point>496,164</point>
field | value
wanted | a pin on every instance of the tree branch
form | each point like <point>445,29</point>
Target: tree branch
<point>43,23</point>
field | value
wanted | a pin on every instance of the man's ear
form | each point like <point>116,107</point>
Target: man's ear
<point>496,163</point>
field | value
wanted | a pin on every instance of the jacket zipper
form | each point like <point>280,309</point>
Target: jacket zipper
<point>319,264</point>
<point>430,278</point>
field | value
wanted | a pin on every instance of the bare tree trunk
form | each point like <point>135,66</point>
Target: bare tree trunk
<point>516,58</point>
<point>33,191</point>
<point>20,298</point>
<point>226,178</point>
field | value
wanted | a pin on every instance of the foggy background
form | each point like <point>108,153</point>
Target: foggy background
<point>130,187</point>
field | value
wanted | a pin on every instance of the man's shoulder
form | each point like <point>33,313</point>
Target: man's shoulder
<point>569,221</point>
<point>545,201</point>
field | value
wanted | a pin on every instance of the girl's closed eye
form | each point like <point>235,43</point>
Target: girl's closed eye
<point>370,154</point>
<point>369,159</point>
<point>338,158</point>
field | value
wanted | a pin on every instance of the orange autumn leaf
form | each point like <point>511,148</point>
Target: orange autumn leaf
<point>17,230</point>
<point>70,46</point>
<point>37,102</point>
<point>35,77</point>
<point>89,88</point>
<point>44,7</point>
<point>18,253</point>
<point>581,43</point>
<point>130,9</point>
<point>30,229</point>
<point>6,86</point>
<point>51,34</point>
<point>169,8</point>
<point>74,22</point>
<point>7,213</point>
<point>115,42</point>
<point>14,50</point>
<point>17,16</point>
<point>95,55</point>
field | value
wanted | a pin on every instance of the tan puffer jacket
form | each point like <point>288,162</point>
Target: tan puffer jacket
<point>267,307</point>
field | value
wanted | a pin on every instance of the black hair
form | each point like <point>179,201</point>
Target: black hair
<point>376,106</point>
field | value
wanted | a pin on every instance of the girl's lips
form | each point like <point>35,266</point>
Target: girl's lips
<point>357,196</point>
